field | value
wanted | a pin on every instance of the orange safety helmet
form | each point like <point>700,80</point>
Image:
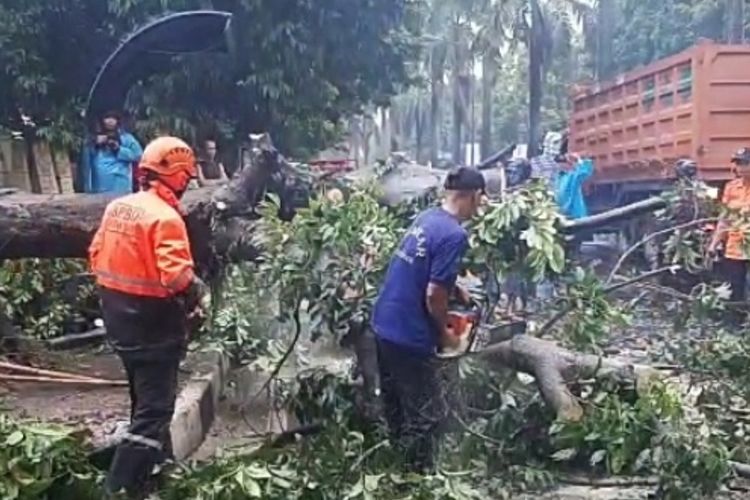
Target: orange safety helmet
<point>172,160</point>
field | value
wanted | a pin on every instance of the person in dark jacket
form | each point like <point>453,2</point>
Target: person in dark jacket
<point>410,318</point>
<point>210,170</point>
<point>109,158</point>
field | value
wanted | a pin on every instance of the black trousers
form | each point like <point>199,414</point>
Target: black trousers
<point>153,388</point>
<point>414,406</point>
<point>734,272</point>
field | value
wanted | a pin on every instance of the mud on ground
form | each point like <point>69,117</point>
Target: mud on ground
<point>98,409</point>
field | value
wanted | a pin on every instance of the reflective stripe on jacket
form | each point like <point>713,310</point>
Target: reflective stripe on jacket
<point>142,248</point>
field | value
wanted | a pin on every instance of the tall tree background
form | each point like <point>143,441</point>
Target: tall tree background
<point>529,54</point>
<point>453,72</point>
<point>301,67</point>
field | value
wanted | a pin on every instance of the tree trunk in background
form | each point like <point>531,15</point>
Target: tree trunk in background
<point>461,88</point>
<point>536,48</point>
<point>437,68</point>
<point>471,89</point>
<point>457,91</point>
<point>367,133</point>
<point>488,86</point>
<point>396,127</point>
<point>355,140</point>
<point>386,145</point>
<point>735,21</point>
<point>605,32</point>
<point>418,131</point>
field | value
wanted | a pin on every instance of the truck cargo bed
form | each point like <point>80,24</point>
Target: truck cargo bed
<point>694,104</point>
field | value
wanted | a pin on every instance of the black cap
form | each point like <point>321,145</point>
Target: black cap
<point>465,179</point>
<point>742,157</point>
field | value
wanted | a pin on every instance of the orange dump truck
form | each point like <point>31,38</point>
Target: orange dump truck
<point>695,104</point>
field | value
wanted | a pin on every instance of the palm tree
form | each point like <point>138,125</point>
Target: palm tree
<point>437,74</point>
<point>550,22</point>
<point>735,21</point>
<point>436,42</point>
<point>462,75</point>
<point>606,14</point>
<point>536,69</point>
<point>490,39</point>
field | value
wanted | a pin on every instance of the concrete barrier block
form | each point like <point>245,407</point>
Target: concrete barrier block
<point>196,407</point>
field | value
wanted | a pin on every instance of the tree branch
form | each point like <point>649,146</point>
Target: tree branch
<point>650,237</point>
<point>617,286</point>
<point>285,356</point>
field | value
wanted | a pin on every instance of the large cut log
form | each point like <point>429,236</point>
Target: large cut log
<point>554,368</point>
<point>218,219</point>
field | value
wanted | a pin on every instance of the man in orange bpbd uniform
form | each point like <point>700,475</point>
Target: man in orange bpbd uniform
<point>144,268</point>
<point>734,265</point>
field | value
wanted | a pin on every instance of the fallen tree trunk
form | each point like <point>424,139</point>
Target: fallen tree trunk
<point>52,226</point>
<point>554,368</point>
<point>613,216</point>
<point>62,226</point>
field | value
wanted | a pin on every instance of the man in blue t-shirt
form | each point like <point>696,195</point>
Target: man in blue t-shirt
<point>410,316</point>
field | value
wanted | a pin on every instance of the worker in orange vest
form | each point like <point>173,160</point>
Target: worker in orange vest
<point>144,268</point>
<point>732,234</point>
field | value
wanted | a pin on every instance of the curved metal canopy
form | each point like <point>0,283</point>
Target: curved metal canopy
<point>149,51</point>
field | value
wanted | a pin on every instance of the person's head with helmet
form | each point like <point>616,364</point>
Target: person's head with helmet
<point>741,160</point>
<point>518,171</point>
<point>168,161</point>
<point>686,168</point>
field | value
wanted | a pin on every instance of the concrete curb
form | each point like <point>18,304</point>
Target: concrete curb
<point>196,406</point>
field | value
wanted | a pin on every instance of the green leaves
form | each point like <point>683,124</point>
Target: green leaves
<point>564,455</point>
<point>519,235</point>
<point>618,429</point>
<point>42,297</point>
<point>593,314</point>
<point>299,67</point>
<point>15,438</point>
<point>40,461</point>
<point>248,485</point>
<point>332,256</point>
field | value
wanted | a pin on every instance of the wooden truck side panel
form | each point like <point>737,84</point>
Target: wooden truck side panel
<point>725,108</point>
<point>694,104</point>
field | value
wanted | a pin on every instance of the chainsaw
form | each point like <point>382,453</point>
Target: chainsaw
<point>464,324</point>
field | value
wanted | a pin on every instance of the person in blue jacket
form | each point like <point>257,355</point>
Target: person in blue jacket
<point>574,171</point>
<point>109,158</point>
